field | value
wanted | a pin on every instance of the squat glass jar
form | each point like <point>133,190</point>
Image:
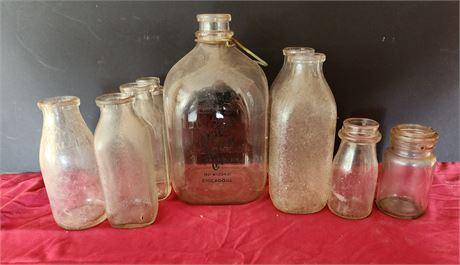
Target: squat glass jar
<point>407,173</point>
<point>355,169</point>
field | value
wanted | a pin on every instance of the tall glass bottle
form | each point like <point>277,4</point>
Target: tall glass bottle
<point>145,107</point>
<point>124,156</point>
<point>355,169</point>
<point>157,95</point>
<point>216,101</point>
<point>68,165</point>
<point>407,171</point>
<point>302,133</point>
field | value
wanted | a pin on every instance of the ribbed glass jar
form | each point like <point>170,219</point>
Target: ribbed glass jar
<point>407,171</point>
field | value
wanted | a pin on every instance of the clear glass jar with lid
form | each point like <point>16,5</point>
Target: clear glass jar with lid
<point>407,171</point>
<point>216,101</point>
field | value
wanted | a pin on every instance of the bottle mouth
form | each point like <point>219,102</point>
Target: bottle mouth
<point>148,80</point>
<point>114,99</point>
<point>303,54</point>
<point>414,137</point>
<point>360,130</point>
<point>217,17</point>
<point>298,51</point>
<point>137,88</point>
<point>58,102</point>
<point>213,28</point>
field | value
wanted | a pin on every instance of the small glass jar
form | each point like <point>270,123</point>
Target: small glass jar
<point>407,171</point>
<point>147,107</point>
<point>124,156</point>
<point>355,169</point>
<point>68,165</point>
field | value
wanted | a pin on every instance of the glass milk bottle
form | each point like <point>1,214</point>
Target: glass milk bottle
<point>124,156</point>
<point>145,107</point>
<point>407,171</point>
<point>355,169</point>
<point>157,95</point>
<point>68,165</point>
<point>216,101</point>
<point>302,133</point>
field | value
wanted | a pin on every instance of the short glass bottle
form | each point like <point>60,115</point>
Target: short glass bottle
<point>216,102</point>
<point>124,155</point>
<point>149,110</point>
<point>407,171</point>
<point>302,133</point>
<point>68,165</point>
<point>355,169</point>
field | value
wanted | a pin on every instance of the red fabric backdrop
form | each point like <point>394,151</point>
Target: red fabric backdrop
<point>251,233</point>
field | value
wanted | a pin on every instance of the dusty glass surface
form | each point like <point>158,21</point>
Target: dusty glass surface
<point>302,131</point>
<point>407,171</point>
<point>355,169</point>
<point>68,165</point>
<point>124,156</point>
<point>216,101</point>
<point>147,107</point>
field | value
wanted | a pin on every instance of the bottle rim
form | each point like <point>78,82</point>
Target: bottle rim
<point>304,55</point>
<point>148,79</point>
<point>360,130</point>
<point>114,99</point>
<point>137,87</point>
<point>414,133</point>
<point>58,101</point>
<point>298,51</point>
<point>214,17</point>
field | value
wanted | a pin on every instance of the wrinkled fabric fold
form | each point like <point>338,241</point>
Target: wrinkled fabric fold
<point>251,233</point>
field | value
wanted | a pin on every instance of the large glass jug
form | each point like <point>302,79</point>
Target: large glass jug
<point>216,101</point>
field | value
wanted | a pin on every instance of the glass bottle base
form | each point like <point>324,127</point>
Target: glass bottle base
<point>164,190</point>
<point>92,215</point>
<point>298,210</point>
<point>350,217</point>
<point>127,226</point>
<point>400,207</point>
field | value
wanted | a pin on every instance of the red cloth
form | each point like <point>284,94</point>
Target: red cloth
<point>251,233</point>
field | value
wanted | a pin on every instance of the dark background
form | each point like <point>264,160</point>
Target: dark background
<point>392,61</point>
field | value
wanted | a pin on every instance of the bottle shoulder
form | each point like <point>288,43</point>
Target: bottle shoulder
<point>201,67</point>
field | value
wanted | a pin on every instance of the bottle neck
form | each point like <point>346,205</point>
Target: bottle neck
<point>216,32</point>
<point>116,111</point>
<point>61,115</point>
<point>299,66</point>
<point>413,140</point>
